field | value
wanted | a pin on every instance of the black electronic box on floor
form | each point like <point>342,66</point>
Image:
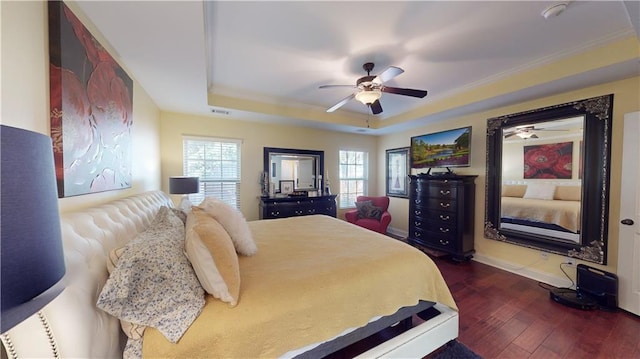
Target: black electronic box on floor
<point>595,288</point>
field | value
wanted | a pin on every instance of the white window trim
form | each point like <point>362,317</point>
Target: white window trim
<point>235,141</point>
<point>365,179</point>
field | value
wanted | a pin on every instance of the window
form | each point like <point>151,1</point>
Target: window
<point>353,177</point>
<point>217,162</point>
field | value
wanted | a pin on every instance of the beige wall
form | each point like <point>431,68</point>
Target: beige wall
<point>25,95</point>
<point>512,257</point>
<point>24,81</point>
<point>255,136</point>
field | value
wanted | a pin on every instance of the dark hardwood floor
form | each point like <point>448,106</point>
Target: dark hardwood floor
<point>503,315</point>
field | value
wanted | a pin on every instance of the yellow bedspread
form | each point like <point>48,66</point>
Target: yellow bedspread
<point>565,214</point>
<point>312,278</point>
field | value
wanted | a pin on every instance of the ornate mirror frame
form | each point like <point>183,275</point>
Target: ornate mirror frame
<point>318,156</point>
<point>597,114</point>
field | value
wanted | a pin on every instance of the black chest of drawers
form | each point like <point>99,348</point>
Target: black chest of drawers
<point>441,214</point>
<point>271,207</point>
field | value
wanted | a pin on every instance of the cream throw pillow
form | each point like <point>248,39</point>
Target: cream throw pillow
<point>213,256</point>
<point>540,191</point>
<point>233,222</point>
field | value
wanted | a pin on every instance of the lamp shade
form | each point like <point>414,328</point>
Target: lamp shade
<point>183,185</point>
<point>31,253</point>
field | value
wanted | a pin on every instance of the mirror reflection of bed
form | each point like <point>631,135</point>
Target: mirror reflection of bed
<point>541,179</point>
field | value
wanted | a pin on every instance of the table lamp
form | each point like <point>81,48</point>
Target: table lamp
<point>184,185</point>
<point>32,259</point>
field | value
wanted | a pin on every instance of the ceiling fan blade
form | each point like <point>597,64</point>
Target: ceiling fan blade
<point>341,103</point>
<point>405,92</point>
<point>533,136</point>
<point>387,74</point>
<point>376,107</point>
<point>331,86</point>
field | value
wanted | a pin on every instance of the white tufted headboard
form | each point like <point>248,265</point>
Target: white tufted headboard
<point>80,329</point>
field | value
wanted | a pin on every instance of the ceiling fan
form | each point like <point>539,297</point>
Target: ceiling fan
<point>370,89</point>
<point>526,132</point>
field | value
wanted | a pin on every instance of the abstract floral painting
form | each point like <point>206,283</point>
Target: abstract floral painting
<point>548,161</point>
<point>91,109</point>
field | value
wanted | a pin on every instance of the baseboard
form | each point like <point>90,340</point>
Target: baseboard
<point>397,232</point>
<point>514,268</point>
<point>523,271</point>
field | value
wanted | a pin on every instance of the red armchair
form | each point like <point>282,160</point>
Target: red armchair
<point>373,224</point>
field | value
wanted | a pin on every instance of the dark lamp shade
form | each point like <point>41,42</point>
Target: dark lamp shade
<point>183,185</point>
<point>31,254</point>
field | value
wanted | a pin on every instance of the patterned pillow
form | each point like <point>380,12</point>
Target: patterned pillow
<point>153,283</point>
<point>133,331</point>
<point>233,222</point>
<point>213,256</point>
<point>366,209</point>
<point>181,214</point>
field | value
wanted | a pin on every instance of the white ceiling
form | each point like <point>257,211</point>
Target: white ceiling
<point>264,60</point>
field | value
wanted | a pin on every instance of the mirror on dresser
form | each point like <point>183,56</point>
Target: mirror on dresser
<point>547,184</point>
<point>293,178</point>
<point>303,167</point>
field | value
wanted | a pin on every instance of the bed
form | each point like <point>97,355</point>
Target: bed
<point>545,209</point>
<point>269,318</point>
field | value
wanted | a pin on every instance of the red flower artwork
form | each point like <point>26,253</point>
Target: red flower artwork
<point>91,100</point>
<point>548,161</point>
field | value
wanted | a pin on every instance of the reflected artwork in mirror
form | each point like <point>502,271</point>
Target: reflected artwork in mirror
<point>547,184</point>
<point>302,167</point>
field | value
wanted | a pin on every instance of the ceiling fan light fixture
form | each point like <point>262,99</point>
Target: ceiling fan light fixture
<point>525,135</point>
<point>555,10</point>
<point>367,97</point>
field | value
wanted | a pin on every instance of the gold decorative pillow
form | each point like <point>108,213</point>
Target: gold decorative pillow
<point>567,193</point>
<point>514,190</point>
<point>213,256</point>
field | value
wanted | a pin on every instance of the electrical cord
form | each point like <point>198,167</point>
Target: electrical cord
<point>550,287</point>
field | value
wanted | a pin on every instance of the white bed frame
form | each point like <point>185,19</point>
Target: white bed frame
<point>72,327</point>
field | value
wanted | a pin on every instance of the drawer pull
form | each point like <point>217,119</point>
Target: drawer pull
<point>276,213</point>
<point>417,213</point>
<point>444,217</point>
<point>444,230</point>
<point>443,192</point>
<point>445,205</point>
<point>417,234</point>
<point>417,224</point>
<point>443,242</point>
<point>417,201</point>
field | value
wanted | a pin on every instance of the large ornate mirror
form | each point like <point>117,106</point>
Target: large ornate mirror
<point>547,184</point>
<point>301,167</point>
